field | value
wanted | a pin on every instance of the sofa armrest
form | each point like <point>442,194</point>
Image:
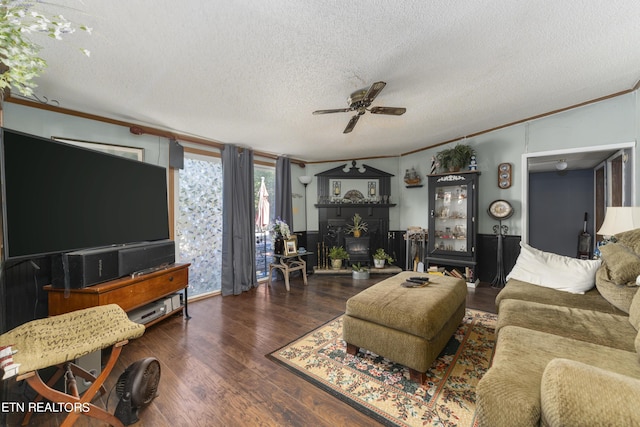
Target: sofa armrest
<point>576,394</point>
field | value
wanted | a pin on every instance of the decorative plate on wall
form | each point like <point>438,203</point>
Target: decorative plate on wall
<point>504,175</point>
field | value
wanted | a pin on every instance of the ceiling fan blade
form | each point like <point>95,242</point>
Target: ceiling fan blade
<point>337,110</point>
<point>352,123</point>
<point>373,91</point>
<point>395,111</point>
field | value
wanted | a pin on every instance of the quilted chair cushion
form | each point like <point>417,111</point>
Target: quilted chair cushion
<point>53,340</point>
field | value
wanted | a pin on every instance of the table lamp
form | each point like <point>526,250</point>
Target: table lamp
<point>619,219</point>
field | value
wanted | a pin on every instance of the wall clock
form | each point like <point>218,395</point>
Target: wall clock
<point>504,175</point>
<point>500,209</point>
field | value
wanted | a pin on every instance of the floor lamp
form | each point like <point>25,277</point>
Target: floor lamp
<point>305,180</point>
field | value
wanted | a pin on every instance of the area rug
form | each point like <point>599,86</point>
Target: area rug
<point>382,389</point>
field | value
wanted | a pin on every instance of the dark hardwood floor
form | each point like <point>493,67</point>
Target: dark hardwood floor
<point>214,369</point>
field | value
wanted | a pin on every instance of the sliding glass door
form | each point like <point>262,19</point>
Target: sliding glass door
<point>264,189</point>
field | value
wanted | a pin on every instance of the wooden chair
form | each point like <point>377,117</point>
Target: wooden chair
<point>59,341</point>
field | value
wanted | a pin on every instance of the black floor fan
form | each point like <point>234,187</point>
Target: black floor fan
<point>137,386</point>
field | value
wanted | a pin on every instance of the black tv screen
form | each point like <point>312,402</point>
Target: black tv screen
<point>59,197</point>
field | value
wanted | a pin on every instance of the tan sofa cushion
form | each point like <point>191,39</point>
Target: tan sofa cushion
<point>611,330</point>
<point>630,239</point>
<point>509,393</point>
<point>618,295</point>
<point>634,318</point>
<point>623,264</point>
<point>591,300</point>
<point>577,394</point>
<point>634,311</point>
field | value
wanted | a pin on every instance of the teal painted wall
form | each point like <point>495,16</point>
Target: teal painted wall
<point>612,121</point>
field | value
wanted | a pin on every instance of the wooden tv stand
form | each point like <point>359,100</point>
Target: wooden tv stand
<point>128,292</point>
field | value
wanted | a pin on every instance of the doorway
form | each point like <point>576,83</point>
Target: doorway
<point>560,186</point>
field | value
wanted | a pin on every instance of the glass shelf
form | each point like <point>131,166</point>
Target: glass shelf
<point>451,218</point>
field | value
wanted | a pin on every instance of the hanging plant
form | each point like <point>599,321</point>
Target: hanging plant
<point>20,62</point>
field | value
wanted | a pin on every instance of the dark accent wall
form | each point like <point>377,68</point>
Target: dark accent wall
<point>334,220</point>
<point>557,203</point>
<point>488,255</point>
<point>25,298</point>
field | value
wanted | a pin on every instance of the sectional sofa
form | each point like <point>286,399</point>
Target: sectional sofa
<point>567,351</point>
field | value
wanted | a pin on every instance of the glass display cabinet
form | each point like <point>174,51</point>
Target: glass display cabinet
<point>453,213</point>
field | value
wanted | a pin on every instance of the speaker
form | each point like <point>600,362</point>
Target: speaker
<point>88,267</point>
<point>176,155</point>
<point>142,256</point>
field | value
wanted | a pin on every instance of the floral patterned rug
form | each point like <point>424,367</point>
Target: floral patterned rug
<point>382,389</point>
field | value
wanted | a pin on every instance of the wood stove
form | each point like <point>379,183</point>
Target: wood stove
<point>358,250</point>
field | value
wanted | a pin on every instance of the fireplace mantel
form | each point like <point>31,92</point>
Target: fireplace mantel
<point>335,215</point>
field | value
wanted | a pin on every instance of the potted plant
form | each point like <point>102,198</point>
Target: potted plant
<point>455,158</point>
<point>358,226</point>
<point>360,271</point>
<point>380,257</point>
<point>337,254</point>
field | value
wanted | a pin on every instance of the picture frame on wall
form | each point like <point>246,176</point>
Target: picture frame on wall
<point>118,150</point>
<point>291,246</point>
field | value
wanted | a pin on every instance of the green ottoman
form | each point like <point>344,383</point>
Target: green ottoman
<point>410,326</point>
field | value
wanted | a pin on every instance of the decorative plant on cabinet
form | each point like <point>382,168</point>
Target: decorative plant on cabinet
<point>455,158</point>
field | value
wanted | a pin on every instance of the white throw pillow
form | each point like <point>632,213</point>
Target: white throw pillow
<point>554,271</point>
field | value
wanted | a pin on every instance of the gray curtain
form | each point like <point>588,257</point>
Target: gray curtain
<point>238,217</point>
<point>284,205</point>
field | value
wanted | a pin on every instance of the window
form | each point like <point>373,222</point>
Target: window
<point>198,221</point>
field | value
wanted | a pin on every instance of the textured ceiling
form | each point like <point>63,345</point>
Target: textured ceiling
<point>252,72</point>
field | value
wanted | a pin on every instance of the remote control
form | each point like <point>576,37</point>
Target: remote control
<point>409,284</point>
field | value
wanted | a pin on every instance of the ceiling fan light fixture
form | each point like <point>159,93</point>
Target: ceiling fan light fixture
<point>359,102</point>
<point>561,165</point>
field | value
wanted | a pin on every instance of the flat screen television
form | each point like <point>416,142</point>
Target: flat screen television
<point>58,197</point>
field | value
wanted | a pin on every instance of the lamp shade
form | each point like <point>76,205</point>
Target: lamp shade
<point>619,219</point>
<point>305,179</point>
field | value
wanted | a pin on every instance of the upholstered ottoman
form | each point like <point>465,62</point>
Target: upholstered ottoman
<point>410,326</point>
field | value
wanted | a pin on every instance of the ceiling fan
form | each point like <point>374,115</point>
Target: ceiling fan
<point>360,101</point>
